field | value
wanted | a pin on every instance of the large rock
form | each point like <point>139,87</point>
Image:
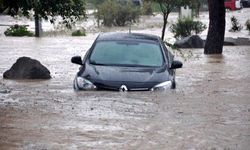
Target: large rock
<point>27,68</point>
<point>242,41</point>
<point>193,41</point>
<point>229,41</point>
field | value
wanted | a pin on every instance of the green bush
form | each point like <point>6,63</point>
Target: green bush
<point>79,33</point>
<point>117,13</point>
<point>147,8</point>
<point>18,30</point>
<point>156,7</point>
<point>248,25</point>
<point>235,25</point>
<point>186,27</point>
<point>95,2</point>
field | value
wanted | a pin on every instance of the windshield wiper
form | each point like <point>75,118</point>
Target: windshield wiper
<point>92,62</point>
<point>132,65</point>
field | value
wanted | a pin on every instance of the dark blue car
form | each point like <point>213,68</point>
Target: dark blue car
<point>126,62</point>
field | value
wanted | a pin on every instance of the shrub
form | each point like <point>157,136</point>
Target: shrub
<point>186,27</point>
<point>248,25</point>
<point>79,33</point>
<point>106,13</point>
<point>18,30</point>
<point>235,25</point>
<point>124,15</point>
<point>117,13</point>
<point>147,8</point>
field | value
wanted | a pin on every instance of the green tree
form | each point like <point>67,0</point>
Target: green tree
<point>69,10</point>
<point>196,5</point>
<point>1,5</point>
<point>117,13</point>
<point>167,7</point>
<point>96,2</point>
<point>216,30</point>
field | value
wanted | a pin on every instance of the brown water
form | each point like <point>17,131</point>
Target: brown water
<point>210,109</point>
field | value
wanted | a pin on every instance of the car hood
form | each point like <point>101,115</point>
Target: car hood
<point>112,77</point>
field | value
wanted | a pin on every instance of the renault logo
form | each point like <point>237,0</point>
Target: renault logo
<point>123,88</point>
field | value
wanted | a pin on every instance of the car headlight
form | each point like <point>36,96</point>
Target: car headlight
<point>81,83</point>
<point>163,86</point>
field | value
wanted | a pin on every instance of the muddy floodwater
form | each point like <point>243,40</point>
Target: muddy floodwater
<point>210,109</point>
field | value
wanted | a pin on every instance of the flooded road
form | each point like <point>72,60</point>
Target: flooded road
<point>210,109</point>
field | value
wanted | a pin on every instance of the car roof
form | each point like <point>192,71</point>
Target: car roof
<point>127,36</point>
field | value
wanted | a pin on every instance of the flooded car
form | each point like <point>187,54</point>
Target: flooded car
<point>126,62</point>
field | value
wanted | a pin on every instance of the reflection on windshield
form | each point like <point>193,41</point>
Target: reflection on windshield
<point>126,53</point>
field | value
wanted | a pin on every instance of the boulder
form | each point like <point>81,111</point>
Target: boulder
<point>193,41</point>
<point>242,41</point>
<point>229,41</point>
<point>27,68</point>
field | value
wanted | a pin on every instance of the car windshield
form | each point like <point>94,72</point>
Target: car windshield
<point>127,53</point>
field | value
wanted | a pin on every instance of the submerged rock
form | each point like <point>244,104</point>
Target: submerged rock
<point>229,41</point>
<point>27,68</point>
<point>193,41</point>
<point>242,41</point>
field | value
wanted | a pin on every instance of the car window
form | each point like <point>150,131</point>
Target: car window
<point>127,53</point>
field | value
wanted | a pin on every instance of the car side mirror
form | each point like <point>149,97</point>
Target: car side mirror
<point>176,64</point>
<point>76,60</point>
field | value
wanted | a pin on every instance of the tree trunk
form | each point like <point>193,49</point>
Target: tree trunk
<point>198,9</point>
<point>216,31</point>
<point>165,21</point>
<point>38,26</point>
